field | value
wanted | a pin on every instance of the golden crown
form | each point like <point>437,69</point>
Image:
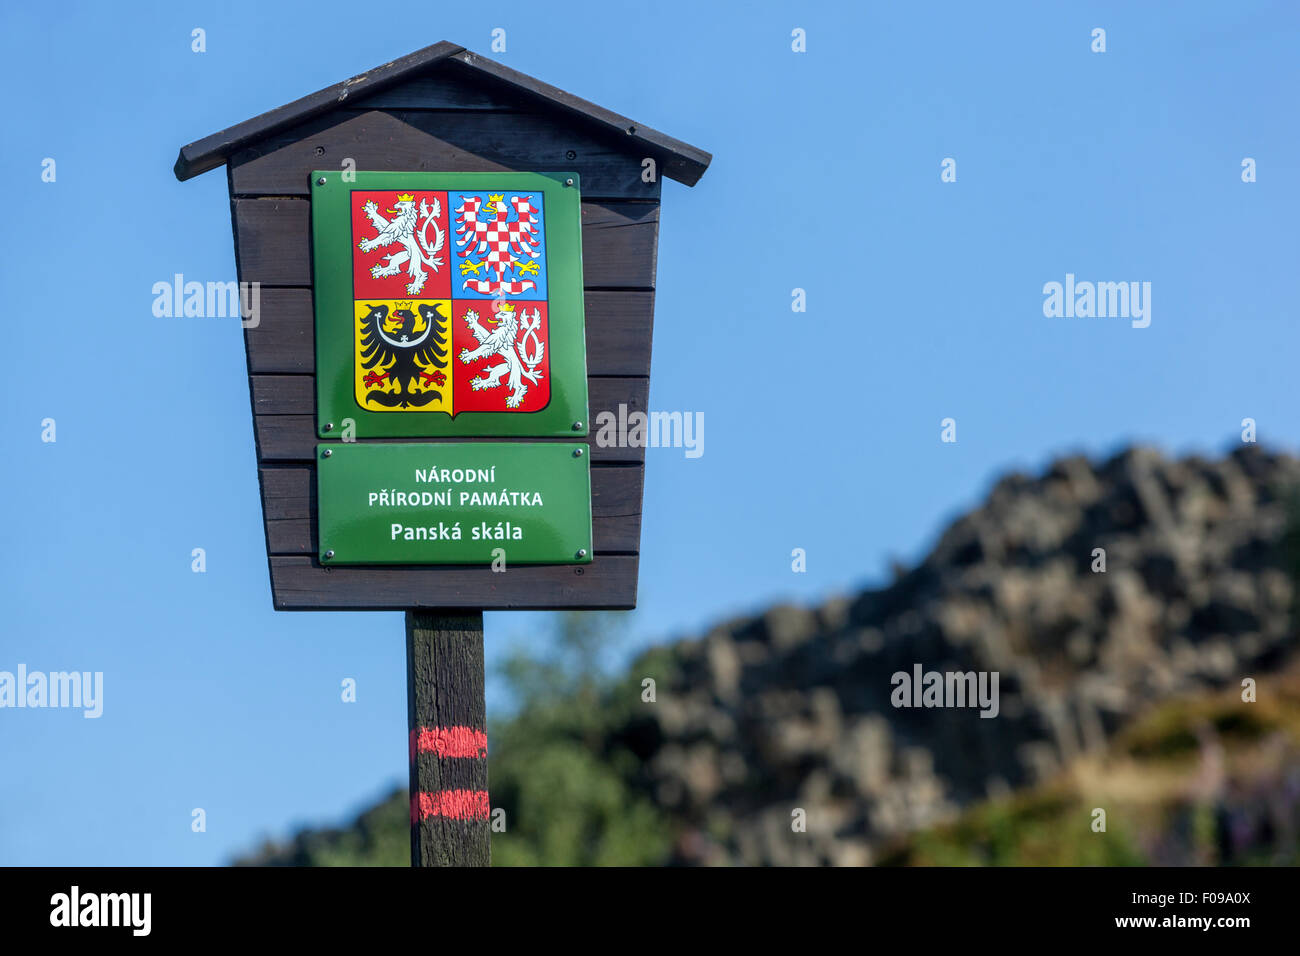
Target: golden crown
<point>405,197</point>
<point>496,197</point>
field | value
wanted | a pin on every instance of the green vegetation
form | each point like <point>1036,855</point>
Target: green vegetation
<point>1051,827</point>
<point>556,767</point>
<point>379,837</point>
<point>1194,781</point>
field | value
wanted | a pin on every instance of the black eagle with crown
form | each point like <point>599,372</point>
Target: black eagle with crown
<point>403,356</point>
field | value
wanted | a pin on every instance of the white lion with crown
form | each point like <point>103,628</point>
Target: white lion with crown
<point>501,341</point>
<point>409,227</point>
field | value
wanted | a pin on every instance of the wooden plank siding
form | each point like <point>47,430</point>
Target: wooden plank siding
<point>284,419</point>
<point>300,584</point>
<point>429,123</point>
<point>437,141</point>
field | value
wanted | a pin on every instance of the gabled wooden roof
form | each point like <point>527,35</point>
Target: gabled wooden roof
<point>677,160</point>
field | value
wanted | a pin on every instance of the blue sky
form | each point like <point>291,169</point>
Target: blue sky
<point>822,428</point>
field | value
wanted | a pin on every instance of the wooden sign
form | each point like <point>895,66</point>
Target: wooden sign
<point>424,410</point>
<point>439,110</point>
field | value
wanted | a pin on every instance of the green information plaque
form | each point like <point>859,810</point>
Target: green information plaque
<point>448,304</point>
<point>454,503</point>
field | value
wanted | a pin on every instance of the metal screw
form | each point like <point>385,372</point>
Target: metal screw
<point>326,453</point>
<point>571,154</point>
<point>329,426</point>
<point>320,150</point>
<point>577,453</point>
<point>577,426</point>
<point>328,555</point>
<point>568,182</point>
<point>321,181</point>
<point>582,552</point>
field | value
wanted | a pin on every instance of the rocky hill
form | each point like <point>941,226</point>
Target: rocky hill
<point>1098,593</point>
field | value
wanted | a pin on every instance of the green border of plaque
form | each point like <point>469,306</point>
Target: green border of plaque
<point>335,318</point>
<point>465,503</point>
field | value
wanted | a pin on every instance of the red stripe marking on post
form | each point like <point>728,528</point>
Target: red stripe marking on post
<point>449,742</point>
<point>453,804</point>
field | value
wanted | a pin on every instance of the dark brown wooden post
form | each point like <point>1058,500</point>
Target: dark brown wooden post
<point>447,716</point>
